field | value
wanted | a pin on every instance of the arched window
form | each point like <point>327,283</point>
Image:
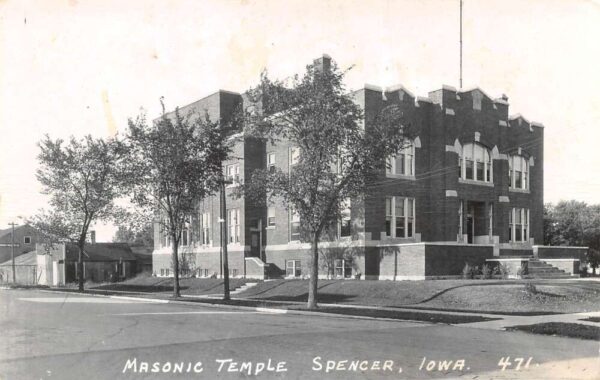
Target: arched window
<point>475,163</point>
<point>403,163</point>
<point>518,172</point>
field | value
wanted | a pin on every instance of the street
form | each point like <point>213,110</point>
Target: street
<point>49,335</point>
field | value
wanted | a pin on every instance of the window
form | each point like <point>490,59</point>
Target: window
<point>460,221</point>
<point>271,162</point>
<point>271,217</point>
<point>399,217</point>
<point>294,155</point>
<point>233,223</point>
<point>232,173</point>
<point>518,172</point>
<point>346,220</point>
<point>27,239</point>
<point>292,268</point>
<point>162,271</point>
<point>206,238</point>
<point>403,163</point>
<point>186,234</point>
<point>294,226</point>
<point>343,268</point>
<point>518,222</point>
<point>475,164</point>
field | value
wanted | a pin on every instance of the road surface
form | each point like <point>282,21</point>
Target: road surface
<point>65,336</point>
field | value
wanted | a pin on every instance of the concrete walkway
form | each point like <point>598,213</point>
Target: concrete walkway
<point>514,320</point>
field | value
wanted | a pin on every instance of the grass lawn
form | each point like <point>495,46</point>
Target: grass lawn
<point>493,296</point>
<point>571,330</point>
<point>188,286</point>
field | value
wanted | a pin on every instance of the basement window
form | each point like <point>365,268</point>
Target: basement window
<point>293,268</point>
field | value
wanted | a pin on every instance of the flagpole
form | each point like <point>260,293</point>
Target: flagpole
<point>461,46</point>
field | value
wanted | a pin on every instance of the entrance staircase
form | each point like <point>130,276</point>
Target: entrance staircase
<point>541,269</point>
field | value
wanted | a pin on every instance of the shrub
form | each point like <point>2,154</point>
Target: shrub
<point>486,271</point>
<point>469,271</point>
<point>503,270</point>
<point>523,270</point>
<point>530,288</point>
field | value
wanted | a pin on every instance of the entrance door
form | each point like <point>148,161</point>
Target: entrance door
<point>470,226</point>
<point>255,243</point>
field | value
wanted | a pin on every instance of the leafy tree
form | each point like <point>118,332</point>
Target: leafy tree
<point>574,223</point>
<point>174,163</point>
<point>572,218</point>
<point>593,258</point>
<point>135,236</point>
<point>337,158</point>
<point>83,178</point>
<point>550,233</point>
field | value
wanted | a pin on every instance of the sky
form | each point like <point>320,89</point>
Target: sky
<point>85,67</point>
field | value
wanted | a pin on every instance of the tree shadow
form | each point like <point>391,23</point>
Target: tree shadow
<point>321,297</point>
<point>138,288</point>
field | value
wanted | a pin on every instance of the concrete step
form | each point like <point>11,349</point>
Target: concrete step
<point>540,269</point>
<point>244,287</point>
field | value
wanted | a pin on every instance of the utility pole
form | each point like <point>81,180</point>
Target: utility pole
<point>461,46</point>
<point>223,221</point>
<point>12,252</point>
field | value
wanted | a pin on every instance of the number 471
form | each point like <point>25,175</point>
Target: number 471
<point>506,363</point>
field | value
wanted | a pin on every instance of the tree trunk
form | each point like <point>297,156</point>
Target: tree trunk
<point>226,294</point>
<point>80,266</point>
<point>175,258</point>
<point>314,274</point>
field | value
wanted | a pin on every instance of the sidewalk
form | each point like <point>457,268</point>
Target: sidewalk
<point>513,320</point>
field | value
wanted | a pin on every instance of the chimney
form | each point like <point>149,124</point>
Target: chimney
<point>323,63</point>
<point>93,236</point>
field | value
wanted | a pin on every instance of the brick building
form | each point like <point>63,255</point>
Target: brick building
<point>468,189</point>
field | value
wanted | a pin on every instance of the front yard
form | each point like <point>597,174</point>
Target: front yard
<point>490,296</point>
<point>519,297</point>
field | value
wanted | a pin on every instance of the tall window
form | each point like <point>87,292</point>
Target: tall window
<point>399,217</point>
<point>233,223</point>
<point>403,163</point>
<point>518,222</point>
<point>232,172</point>
<point>518,172</point>
<point>294,155</point>
<point>475,164</point>
<point>186,234</point>
<point>271,217</point>
<point>271,162</point>
<point>294,226</point>
<point>346,220</point>
<point>205,228</point>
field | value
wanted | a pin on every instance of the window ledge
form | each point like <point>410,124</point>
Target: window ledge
<point>515,190</point>
<point>473,182</point>
<point>399,239</point>
<point>269,227</point>
<point>400,176</point>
